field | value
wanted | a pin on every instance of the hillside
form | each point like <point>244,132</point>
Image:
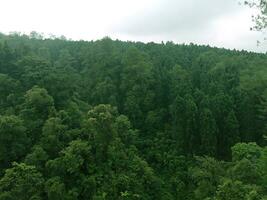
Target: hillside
<point>126,120</point>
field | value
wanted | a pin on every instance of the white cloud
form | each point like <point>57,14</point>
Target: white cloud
<point>221,23</point>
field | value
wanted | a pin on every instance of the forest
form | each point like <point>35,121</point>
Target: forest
<point>114,120</point>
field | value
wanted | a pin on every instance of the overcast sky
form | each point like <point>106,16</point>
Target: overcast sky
<point>221,23</point>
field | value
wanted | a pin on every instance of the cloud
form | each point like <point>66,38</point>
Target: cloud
<point>169,16</point>
<point>222,23</point>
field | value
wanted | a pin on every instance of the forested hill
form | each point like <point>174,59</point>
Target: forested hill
<point>113,120</point>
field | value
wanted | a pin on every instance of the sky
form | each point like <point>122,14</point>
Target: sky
<point>220,23</point>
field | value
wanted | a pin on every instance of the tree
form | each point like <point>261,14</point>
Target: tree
<point>8,88</point>
<point>124,128</point>
<point>38,103</point>
<point>100,128</point>
<point>136,80</point>
<point>21,181</point>
<point>231,132</point>
<point>71,172</point>
<point>250,151</point>
<point>233,190</point>
<point>247,172</point>
<point>249,164</point>
<point>207,176</point>
<point>260,19</point>
<point>33,71</point>
<point>54,137</point>
<point>37,107</point>
<point>13,140</point>
<point>38,157</point>
<point>190,133</point>
<point>208,133</point>
<point>7,57</point>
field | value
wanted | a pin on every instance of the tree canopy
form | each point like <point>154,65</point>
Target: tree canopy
<point>113,120</point>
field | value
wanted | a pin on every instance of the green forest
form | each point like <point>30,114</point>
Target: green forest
<point>114,120</point>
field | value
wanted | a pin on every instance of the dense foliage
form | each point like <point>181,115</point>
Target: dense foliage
<point>121,120</point>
